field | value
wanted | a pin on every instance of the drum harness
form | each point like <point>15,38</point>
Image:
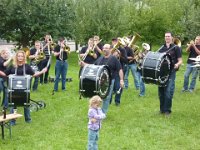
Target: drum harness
<point>24,74</point>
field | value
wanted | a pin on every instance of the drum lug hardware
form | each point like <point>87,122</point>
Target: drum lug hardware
<point>82,90</point>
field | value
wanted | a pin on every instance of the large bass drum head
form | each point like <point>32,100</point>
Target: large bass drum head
<point>104,82</point>
<point>156,68</point>
<point>94,80</point>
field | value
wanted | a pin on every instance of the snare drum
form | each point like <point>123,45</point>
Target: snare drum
<point>19,90</point>
<point>156,68</point>
<point>94,80</point>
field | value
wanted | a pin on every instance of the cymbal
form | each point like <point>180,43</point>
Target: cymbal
<point>195,59</point>
<point>197,65</point>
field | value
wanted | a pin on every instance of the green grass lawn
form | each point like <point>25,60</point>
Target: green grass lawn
<point>136,124</point>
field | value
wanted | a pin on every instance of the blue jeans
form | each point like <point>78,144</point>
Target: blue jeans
<point>106,101</point>
<point>194,72</point>
<point>93,137</point>
<point>166,93</point>
<point>142,85</point>
<point>133,68</point>
<point>35,83</point>
<point>60,69</point>
<point>27,114</point>
<point>116,89</point>
<point>5,95</point>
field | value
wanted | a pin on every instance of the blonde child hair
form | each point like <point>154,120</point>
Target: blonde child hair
<point>95,100</point>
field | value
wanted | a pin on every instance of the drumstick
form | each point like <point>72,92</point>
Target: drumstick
<point>118,92</point>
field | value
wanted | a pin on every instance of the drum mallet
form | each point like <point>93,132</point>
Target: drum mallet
<point>118,92</point>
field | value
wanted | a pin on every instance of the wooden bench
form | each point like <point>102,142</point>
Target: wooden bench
<point>5,122</point>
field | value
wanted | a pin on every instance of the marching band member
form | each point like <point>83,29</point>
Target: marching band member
<point>146,48</point>
<point>166,93</point>
<point>121,54</point>
<point>61,66</point>
<point>46,47</point>
<point>19,65</point>
<point>194,50</point>
<point>36,66</point>
<point>89,53</point>
<point>115,68</point>
<point>5,60</point>
<point>132,65</point>
<point>98,45</point>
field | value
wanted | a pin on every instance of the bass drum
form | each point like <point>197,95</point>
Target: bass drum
<point>95,80</point>
<point>19,90</point>
<point>156,68</point>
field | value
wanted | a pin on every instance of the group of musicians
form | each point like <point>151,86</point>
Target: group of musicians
<point>119,56</point>
<point>40,60</point>
<point>125,55</point>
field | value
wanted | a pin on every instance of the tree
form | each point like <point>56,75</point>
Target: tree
<point>27,20</point>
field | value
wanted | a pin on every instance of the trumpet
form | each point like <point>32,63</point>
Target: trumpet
<point>190,43</point>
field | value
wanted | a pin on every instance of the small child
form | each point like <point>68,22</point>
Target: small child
<point>95,115</point>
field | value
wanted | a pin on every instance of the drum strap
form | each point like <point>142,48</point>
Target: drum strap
<point>23,70</point>
<point>100,62</point>
<point>167,50</point>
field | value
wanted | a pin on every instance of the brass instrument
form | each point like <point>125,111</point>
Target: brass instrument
<point>134,40</point>
<point>66,48</point>
<point>39,56</point>
<point>136,53</point>
<point>52,45</point>
<point>27,51</point>
<point>120,42</point>
<point>134,47</point>
<point>177,42</point>
<point>191,42</point>
<point>91,52</point>
<point>88,52</point>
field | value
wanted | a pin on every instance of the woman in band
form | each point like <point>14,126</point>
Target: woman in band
<point>5,60</point>
<point>19,65</point>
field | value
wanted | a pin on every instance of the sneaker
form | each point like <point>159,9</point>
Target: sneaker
<point>167,114</point>
<point>184,90</point>
<point>117,104</point>
<point>28,121</point>
<point>191,91</point>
